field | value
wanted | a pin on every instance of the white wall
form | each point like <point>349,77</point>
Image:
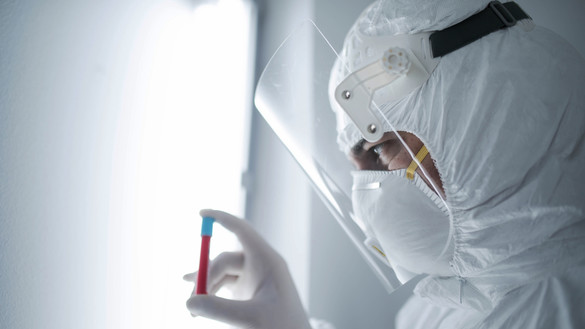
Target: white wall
<point>59,82</point>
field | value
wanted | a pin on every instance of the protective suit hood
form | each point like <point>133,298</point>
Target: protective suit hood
<point>503,118</point>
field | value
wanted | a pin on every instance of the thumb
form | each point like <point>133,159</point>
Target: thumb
<point>234,312</point>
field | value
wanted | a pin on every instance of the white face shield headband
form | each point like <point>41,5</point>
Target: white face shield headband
<point>406,63</point>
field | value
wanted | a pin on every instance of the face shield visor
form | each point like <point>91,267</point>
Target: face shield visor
<point>293,95</point>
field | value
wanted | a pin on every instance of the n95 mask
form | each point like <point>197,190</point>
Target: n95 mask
<point>408,219</point>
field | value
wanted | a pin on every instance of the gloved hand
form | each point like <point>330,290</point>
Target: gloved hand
<point>261,280</point>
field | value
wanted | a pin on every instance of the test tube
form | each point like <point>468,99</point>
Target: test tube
<point>206,232</point>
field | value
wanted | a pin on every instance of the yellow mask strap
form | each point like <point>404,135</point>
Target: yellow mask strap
<point>422,153</point>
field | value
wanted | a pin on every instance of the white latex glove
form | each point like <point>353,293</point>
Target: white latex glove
<point>260,278</point>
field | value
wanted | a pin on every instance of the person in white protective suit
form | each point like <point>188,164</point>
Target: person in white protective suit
<point>503,120</point>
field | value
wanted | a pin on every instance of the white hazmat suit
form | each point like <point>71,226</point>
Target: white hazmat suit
<point>504,119</point>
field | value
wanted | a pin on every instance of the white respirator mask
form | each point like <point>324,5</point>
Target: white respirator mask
<point>407,218</point>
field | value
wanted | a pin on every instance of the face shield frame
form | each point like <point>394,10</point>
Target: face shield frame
<point>293,104</point>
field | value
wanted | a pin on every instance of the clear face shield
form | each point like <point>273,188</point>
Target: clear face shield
<point>293,95</point>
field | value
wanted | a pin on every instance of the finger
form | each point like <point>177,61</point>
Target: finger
<point>190,277</point>
<point>241,228</point>
<point>233,312</point>
<point>227,281</point>
<point>227,263</point>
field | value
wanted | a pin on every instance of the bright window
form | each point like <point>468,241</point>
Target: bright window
<point>190,146</point>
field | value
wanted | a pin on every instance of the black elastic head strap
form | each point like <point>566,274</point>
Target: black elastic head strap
<point>493,18</point>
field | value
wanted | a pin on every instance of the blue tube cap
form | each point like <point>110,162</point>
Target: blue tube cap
<point>207,226</point>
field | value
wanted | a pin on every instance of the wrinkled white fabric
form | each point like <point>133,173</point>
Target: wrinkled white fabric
<point>504,121</point>
<point>417,313</point>
<point>407,218</point>
<point>549,303</point>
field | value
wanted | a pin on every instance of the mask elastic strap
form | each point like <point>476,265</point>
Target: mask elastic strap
<point>422,153</point>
